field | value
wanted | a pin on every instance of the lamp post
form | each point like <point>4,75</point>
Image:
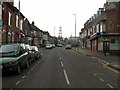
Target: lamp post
<point>54,35</point>
<point>19,24</point>
<point>75,29</point>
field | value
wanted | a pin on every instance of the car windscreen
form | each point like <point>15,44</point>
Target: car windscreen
<point>8,48</point>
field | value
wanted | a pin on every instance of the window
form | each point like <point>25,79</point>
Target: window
<point>111,26</point>
<point>10,18</point>
<point>17,21</point>
<point>112,41</point>
<point>35,34</point>
<point>26,32</point>
<point>21,24</point>
<point>12,37</point>
<point>9,37</point>
<point>97,27</point>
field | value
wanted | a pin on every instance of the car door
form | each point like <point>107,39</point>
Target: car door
<point>23,56</point>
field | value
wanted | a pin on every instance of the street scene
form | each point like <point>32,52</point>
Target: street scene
<point>33,55</point>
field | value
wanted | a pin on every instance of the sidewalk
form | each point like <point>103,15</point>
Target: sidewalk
<point>87,52</point>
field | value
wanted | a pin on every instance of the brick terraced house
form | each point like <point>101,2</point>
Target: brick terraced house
<point>101,33</point>
<point>9,31</point>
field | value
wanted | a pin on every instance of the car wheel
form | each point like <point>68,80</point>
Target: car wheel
<point>27,64</point>
<point>18,71</point>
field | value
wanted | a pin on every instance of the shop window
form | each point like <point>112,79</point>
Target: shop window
<point>111,26</point>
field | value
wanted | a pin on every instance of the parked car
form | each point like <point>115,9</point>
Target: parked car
<point>36,52</point>
<point>31,54</point>
<point>53,45</point>
<point>14,58</point>
<point>49,46</point>
<point>59,45</point>
<point>68,46</point>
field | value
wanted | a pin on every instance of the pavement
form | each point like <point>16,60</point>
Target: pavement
<point>87,52</point>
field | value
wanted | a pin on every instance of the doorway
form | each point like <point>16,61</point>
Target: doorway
<point>106,46</point>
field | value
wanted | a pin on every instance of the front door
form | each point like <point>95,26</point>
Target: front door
<point>106,46</point>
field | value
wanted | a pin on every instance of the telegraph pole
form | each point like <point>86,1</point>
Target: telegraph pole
<point>19,24</point>
<point>75,30</point>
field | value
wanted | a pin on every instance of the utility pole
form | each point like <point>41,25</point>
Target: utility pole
<point>75,30</point>
<point>54,35</point>
<point>19,24</point>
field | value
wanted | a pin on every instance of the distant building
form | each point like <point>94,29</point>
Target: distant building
<point>73,41</point>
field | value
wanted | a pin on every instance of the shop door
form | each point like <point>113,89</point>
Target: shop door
<point>106,46</point>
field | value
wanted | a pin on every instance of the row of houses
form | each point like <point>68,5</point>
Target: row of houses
<point>28,33</point>
<point>101,33</point>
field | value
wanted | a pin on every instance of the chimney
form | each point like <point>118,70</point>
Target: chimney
<point>33,23</point>
<point>11,2</point>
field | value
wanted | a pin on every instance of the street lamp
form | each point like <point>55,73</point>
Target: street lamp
<point>19,24</point>
<point>75,29</point>
<point>54,35</point>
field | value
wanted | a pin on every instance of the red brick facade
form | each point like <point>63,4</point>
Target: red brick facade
<point>28,33</point>
<point>104,29</point>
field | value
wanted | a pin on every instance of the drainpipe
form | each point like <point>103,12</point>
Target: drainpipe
<point>1,21</point>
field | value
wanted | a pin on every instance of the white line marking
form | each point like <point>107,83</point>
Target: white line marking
<point>31,69</point>
<point>102,63</point>
<point>101,79</point>
<point>34,66</point>
<point>110,86</point>
<point>66,77</point>
<point>60,58</point>
<point>17,82</point>
<point>28,72</point>
<point>94,74</point>
<point>102,60</point>
<point>93,57</point>
<point>23,76</point>
<point>107,63</point>
<point>62,64</point>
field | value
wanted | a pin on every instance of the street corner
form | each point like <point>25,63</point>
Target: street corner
<point>114,66</point>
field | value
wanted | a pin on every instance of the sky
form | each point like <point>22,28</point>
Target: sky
<point>48,14</point>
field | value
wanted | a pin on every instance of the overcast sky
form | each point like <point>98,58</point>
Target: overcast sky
<point>48,14</point>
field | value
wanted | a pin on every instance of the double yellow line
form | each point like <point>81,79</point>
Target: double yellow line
<point>105,65</point>
<point>112,69</point>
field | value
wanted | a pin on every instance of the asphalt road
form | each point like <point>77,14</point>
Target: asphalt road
<point>60,68</point>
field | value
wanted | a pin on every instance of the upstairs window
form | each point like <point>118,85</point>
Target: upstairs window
<point>10,15</point>
<point>111,26</point>
<point>17,21</point>
<point>21,24</point>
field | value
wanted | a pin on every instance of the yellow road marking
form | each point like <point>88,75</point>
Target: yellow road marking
<point>116,71</point>
<point>76,52</point>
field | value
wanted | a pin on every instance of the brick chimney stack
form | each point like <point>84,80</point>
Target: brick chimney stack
<point>11,2</point>
<point>33,23</point>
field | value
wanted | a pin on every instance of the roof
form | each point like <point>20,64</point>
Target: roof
<point>14,8</point>
<point>33,27</point>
